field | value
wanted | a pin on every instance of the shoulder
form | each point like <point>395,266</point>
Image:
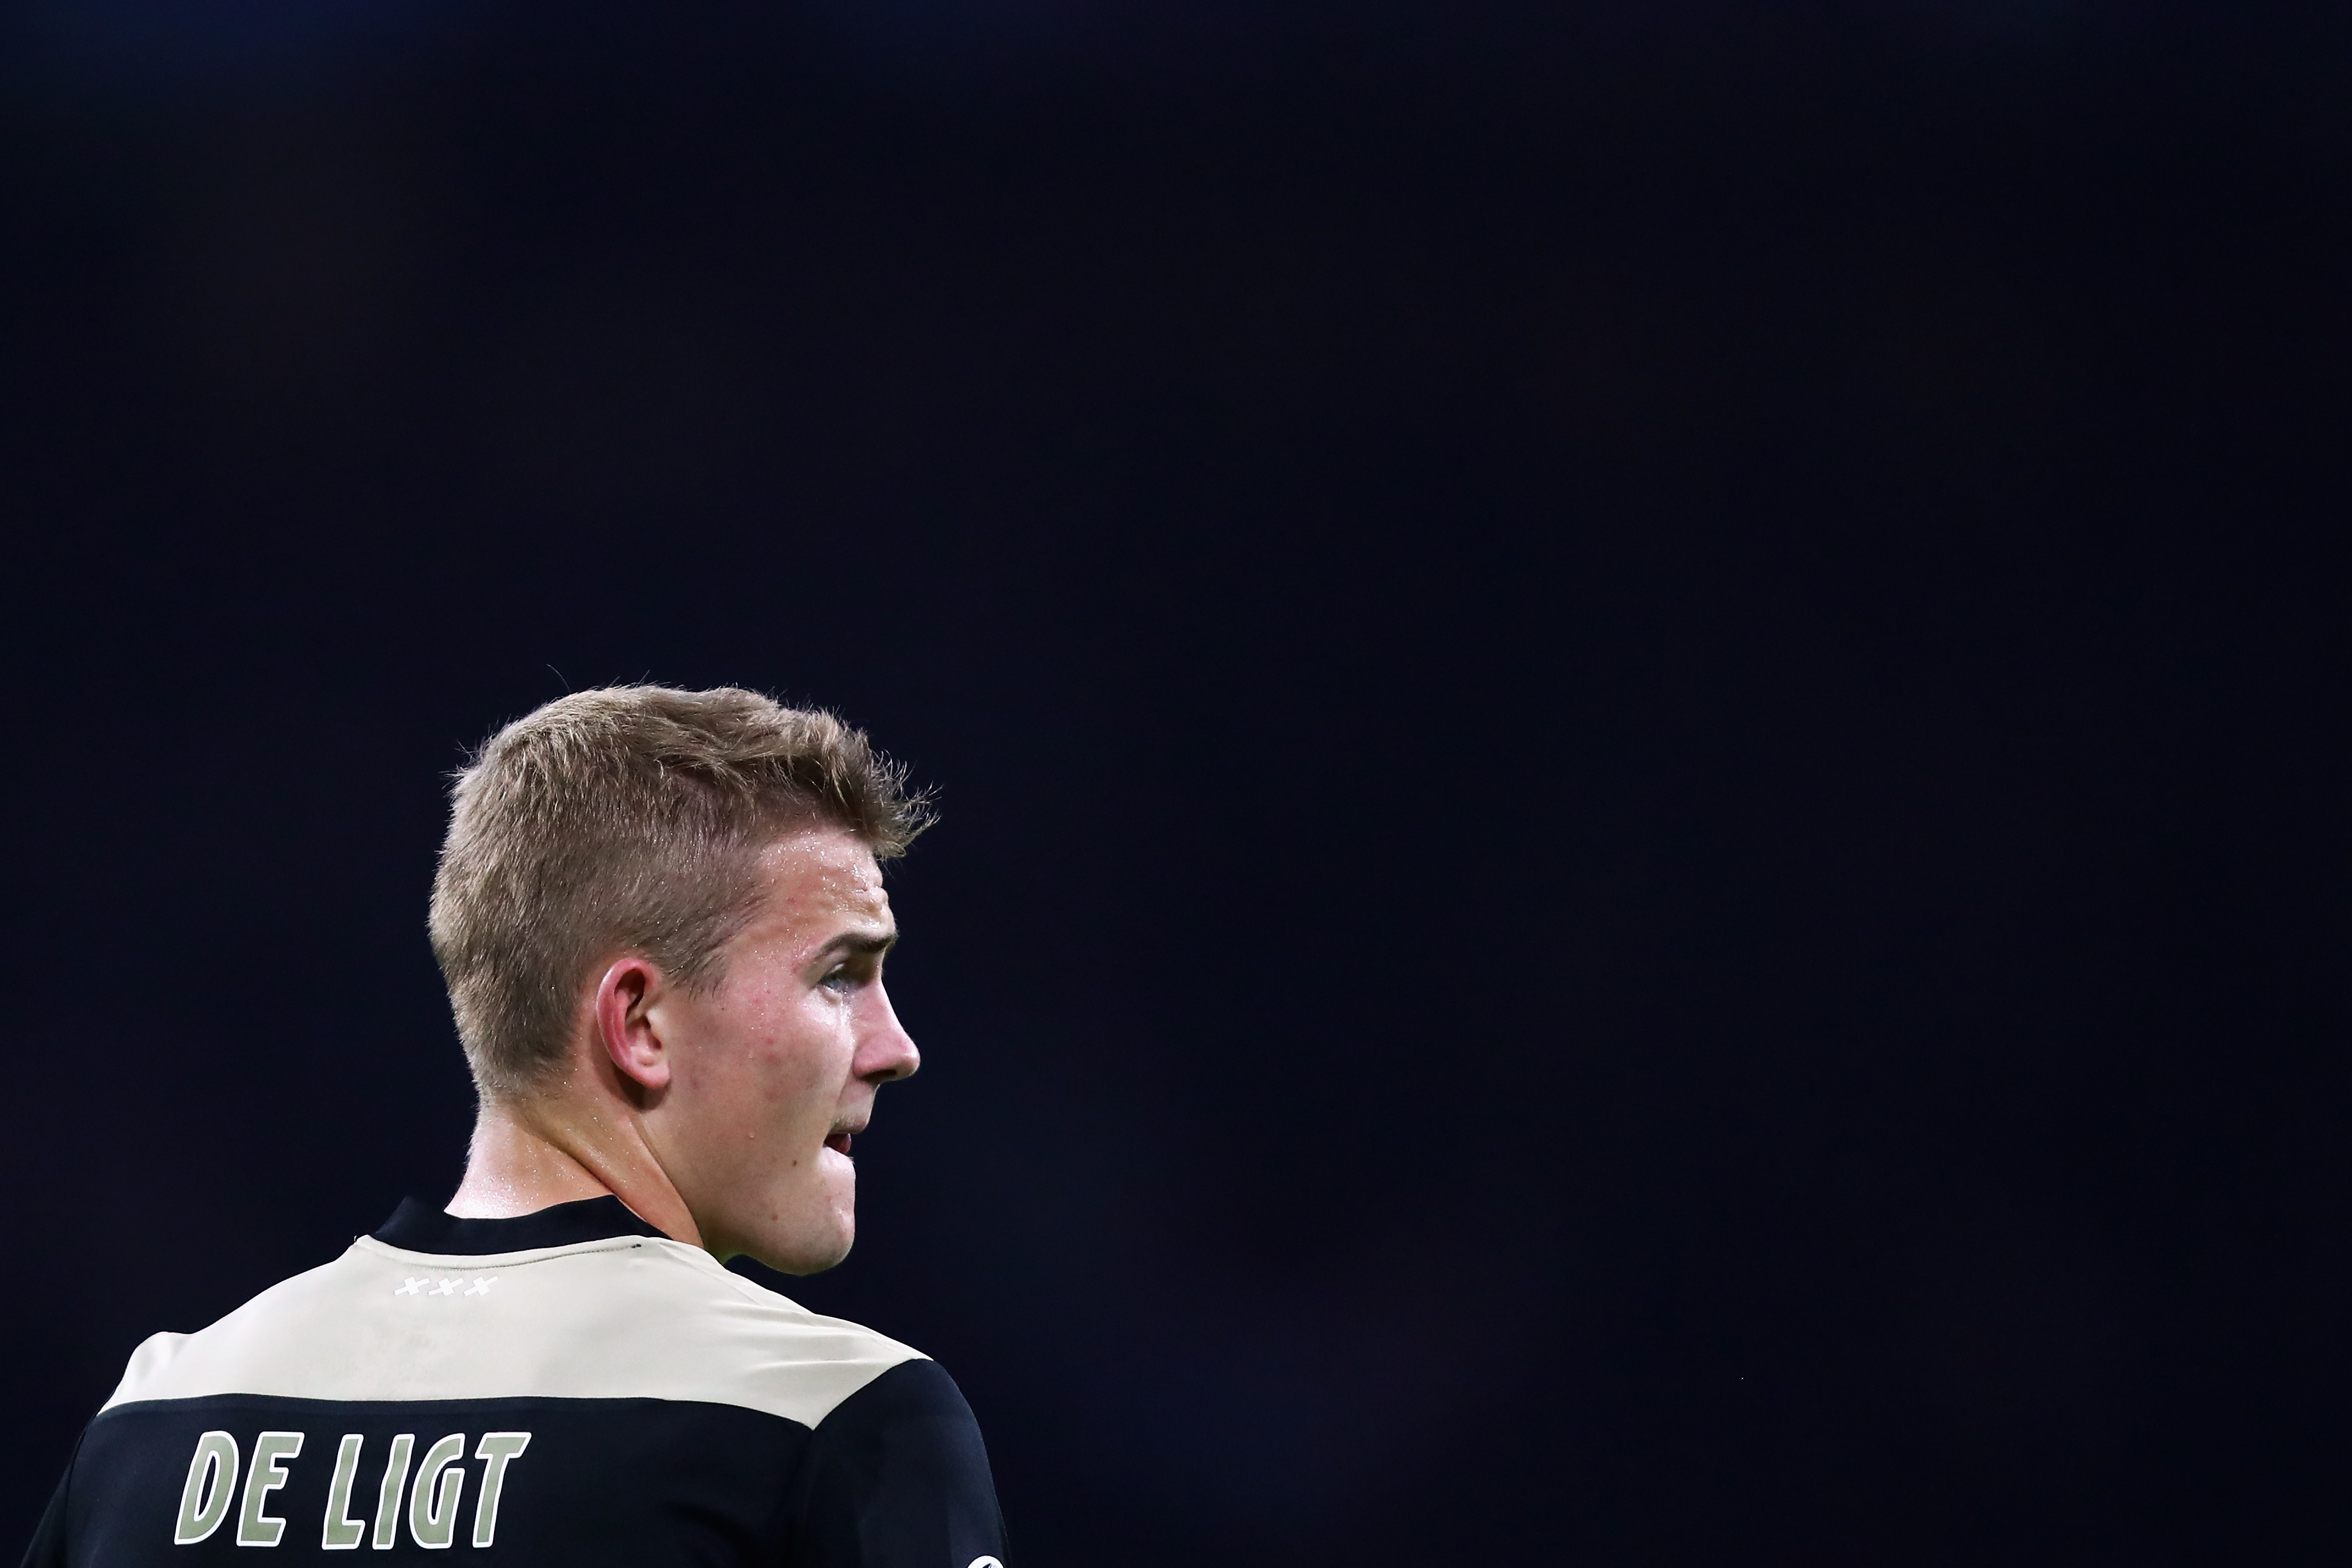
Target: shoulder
<point>629,1317</point>
<point>911,1415</point>
<point>916,1391</point>
<point>165,1361</point>
<point>897,1474</point>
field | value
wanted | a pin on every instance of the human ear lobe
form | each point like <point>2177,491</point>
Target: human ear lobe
<point>625,1023</point>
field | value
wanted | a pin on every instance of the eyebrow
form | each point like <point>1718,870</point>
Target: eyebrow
<point>852,942</point>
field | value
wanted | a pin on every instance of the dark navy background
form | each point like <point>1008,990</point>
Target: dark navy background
<point>1639,710</point>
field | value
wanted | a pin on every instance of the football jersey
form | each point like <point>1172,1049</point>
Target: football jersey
<point>572,1387</point>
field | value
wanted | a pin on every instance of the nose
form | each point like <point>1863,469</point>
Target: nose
<point>886,1053</point>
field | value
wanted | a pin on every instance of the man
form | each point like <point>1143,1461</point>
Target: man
<point>662,920</point>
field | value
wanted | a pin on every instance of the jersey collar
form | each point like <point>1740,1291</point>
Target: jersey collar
<point>419,1227</point>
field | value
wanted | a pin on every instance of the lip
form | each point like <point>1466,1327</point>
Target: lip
<point>838,1140</point>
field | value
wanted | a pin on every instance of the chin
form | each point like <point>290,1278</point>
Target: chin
<point>809,1254</point>
<point>811,1243</point>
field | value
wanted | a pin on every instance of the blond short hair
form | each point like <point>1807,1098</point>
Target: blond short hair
<point>629,820</point>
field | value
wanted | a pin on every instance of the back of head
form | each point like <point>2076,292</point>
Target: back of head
<point>629,819</point>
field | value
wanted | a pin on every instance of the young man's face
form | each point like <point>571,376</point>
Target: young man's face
<point>775,1068</point>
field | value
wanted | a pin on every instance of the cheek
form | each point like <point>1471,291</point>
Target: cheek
<point>796,1053</point>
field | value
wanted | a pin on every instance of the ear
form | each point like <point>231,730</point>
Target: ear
<point>625,999</point>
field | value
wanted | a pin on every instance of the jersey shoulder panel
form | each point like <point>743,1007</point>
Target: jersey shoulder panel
<point>620,1318</point>
<point>897,1477</point>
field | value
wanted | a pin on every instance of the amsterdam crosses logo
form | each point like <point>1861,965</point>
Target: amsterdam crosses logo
<point>434,1287</point>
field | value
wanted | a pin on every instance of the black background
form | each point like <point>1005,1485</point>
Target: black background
<point>1637,709</point>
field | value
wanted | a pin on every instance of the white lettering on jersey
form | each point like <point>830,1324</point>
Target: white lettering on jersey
<point>210,1490</point>
<point>270,1452</point>
<point>496,1450</point>
<point>432,1500</point>
<point>341,1532</point>
<point>393,1487</point>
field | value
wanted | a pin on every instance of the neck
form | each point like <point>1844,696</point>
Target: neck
<point>531,1154</point>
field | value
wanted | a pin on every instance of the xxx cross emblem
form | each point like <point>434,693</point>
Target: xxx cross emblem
<point>443,1288</point>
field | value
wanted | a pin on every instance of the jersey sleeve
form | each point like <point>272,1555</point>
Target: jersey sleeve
<point>897,1477</point>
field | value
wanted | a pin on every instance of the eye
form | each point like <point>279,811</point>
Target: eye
<point>837,981</point>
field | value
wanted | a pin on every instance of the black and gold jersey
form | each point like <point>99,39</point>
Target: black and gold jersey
<point>568,1387</point>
